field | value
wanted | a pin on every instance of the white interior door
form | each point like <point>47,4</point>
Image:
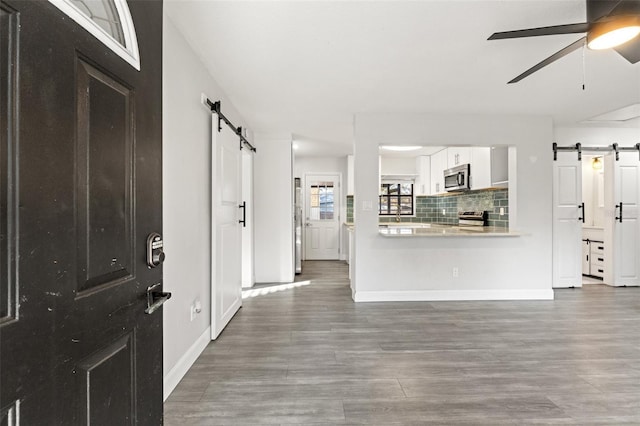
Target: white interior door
<point>226,266</point>
<point>567,221</point>
<point>322,221</point>
<point>624,254</point>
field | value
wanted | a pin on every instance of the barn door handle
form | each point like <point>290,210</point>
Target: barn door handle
<point>581,206</point>
<point>243,221</point>
<point>155,298</point>
<point>619,206</point>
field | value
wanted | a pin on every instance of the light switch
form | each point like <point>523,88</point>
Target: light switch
<point>367,206</point>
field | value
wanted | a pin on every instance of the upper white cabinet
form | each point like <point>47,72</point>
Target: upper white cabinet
<point>423,180</point>
<point>458,155</point>
<point>350,180</point>
<point>489,167</point>
<point>499,166</point>
<point>480,167</point>
<point>438,165</point>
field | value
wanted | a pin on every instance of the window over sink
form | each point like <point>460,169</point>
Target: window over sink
<point>396,199</point>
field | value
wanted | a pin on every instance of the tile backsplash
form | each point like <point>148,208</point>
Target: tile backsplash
<point>444,208</point>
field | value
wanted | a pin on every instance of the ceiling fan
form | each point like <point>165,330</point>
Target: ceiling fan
<point>610,24</point>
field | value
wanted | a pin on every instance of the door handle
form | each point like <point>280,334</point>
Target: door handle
<point>243,221</point>
<point>307,224</point>
<point>581,206</point>
<point>619,206</point>
<point>155,298</point>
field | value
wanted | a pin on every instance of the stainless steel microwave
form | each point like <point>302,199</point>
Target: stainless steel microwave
<point>457,178</point>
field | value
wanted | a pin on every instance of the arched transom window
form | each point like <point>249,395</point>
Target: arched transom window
<point>107,20</point>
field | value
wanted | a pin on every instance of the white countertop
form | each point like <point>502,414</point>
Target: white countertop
<point>436,230</point>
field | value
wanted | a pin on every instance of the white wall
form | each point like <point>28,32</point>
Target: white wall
<point>273,197</point>
<point>600,136</point>
<point>186,201</point>
<point>397,165</point>
<point>338,165</point>
<point>421,268</point>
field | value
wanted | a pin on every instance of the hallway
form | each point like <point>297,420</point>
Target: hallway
<point>304,353</point>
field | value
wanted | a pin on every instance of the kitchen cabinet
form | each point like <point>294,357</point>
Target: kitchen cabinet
<point>480,167</point>
<point>423,180</point>
<point>489,167</point>
<point>596,259</point>
<point>457,156</point>
<point>593,258</point>
<point>438,165</point>
<point>500,166</point>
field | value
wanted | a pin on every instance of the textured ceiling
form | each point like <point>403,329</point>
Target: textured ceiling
<point>306,67</point>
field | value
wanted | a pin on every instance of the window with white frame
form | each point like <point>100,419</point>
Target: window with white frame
<point>107,20</point>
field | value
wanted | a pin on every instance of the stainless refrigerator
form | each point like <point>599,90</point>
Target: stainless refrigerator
<point>297,208</point>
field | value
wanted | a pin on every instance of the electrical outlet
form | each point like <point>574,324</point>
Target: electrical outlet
<point>501,211</point>
<point>444,212</point>
<point>455,272</point>
<point>195,309</point>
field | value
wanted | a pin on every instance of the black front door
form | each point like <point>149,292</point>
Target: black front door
<point>80,192</point>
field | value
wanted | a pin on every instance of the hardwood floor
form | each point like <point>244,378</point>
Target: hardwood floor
<point>306,354</point>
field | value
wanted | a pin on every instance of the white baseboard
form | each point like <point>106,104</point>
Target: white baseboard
<point>451,295</point>
<point>173,377</point>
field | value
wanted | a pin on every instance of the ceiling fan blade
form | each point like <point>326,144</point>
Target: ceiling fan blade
<point>597,9</point>
<point>630,50</point>
<point>611,9</point>
<point>559,54</point>
<point>582,27</point>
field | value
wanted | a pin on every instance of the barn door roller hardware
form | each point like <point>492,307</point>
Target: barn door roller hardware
<point>576,147</point>
<point>215,107</point>
<point>610,148</point>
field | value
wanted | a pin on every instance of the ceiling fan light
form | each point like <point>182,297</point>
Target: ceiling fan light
<point>606,35</point>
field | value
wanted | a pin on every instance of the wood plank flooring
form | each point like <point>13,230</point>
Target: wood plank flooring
<point>306,354</point>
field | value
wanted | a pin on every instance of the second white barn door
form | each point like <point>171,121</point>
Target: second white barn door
<point>623,224</point>
<point>322,220</point>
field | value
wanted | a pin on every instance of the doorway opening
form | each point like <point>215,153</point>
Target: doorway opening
<point>593,236</point>
<point>596,226</point>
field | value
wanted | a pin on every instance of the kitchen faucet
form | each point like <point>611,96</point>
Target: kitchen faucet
<point>398,216</point>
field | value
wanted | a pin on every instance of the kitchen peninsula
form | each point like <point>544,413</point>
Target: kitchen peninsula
<point>400,267</point>
<point>437,230</point>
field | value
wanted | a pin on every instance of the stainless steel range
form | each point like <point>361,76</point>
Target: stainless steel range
<point>477,218</point>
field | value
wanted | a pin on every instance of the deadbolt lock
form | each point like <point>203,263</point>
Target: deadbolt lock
<point>155,252</point>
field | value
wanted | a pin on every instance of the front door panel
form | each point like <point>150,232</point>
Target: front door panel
<point>81,156</point>
<point>105,162</point>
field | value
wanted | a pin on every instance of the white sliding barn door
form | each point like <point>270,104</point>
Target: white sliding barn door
<point>567,222</point>
<point>623,254</point>
<point>226,237</point>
